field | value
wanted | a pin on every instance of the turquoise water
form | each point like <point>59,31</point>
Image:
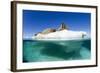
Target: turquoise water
<point>42,51</point>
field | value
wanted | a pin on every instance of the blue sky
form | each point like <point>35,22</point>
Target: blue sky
<point>36,21</point>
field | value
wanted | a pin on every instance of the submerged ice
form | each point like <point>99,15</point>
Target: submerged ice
<point>38,50</point>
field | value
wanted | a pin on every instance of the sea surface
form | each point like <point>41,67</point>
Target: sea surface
<point>44,51</point>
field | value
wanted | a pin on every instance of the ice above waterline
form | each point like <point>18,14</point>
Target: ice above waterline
<point>61,35</point>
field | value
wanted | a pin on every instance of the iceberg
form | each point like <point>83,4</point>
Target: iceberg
<point>68,40</point>
<point>62,34</point>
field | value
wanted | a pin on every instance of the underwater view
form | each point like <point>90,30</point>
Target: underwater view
<point>44,51</point>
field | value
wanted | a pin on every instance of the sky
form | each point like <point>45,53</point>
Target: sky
<point>36,21</point>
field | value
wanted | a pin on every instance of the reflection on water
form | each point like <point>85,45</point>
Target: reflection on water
<point>38,51</point>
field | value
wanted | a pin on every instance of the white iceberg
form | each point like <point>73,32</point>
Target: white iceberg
<point>58,38</point>
<point>63,33</point>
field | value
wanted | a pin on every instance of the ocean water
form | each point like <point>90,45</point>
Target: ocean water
<point>44,51</point>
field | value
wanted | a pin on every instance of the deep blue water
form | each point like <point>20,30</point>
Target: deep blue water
<point>38,51</point>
